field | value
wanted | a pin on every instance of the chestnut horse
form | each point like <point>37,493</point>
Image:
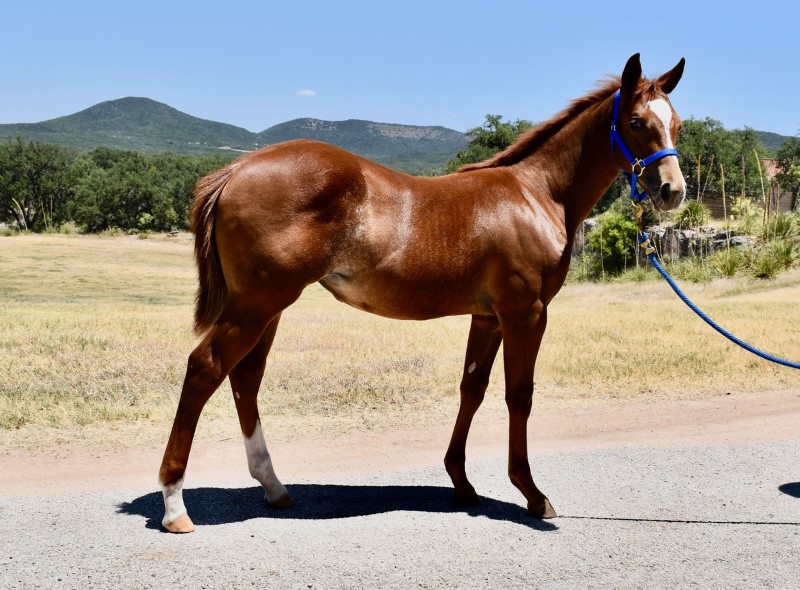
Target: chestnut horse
<point>492,240</point>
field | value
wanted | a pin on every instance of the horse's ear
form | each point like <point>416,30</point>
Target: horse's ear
<point>669,81</point>
<point>631,74</point>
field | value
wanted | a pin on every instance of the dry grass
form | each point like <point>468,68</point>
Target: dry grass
<point>96,331</point>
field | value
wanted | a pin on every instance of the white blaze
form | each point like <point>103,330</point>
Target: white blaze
<point>664,113</point>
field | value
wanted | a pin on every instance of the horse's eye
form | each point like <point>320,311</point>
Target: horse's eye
<point>636,124</point>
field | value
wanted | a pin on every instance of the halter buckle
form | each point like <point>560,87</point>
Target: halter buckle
<point>641,166</point>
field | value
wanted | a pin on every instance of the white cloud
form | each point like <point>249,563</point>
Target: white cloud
<point>306,93</point>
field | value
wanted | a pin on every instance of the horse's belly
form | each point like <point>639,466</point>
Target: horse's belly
<point>399,299</point>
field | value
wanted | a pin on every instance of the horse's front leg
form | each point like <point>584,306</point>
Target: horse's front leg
<point>482,345</point>
<point>522,336</point>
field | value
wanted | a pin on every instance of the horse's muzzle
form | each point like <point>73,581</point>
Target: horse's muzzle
<point>667,196</point>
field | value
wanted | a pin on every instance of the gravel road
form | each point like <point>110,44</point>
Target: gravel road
<point>682,513</point>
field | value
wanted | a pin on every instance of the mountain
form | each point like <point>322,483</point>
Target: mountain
<point>383,142</point>
<point>772,141</point>
<point>145,125</point>
<point>136,124</point>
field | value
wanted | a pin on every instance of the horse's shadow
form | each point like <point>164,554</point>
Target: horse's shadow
<point>791,489</point>
<point>214,506</point>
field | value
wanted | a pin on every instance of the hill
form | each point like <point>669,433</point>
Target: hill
<point>146,125</point>
<point>772,141</point>
<point>401,146</point>
<point>136,124</point>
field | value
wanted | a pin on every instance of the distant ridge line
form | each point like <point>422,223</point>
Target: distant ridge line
<point>145,125</point>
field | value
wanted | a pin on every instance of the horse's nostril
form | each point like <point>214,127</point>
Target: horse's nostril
<point>666,192</point>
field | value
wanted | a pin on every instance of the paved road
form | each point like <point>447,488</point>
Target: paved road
<point>706,517</point>
<point>633,516</point>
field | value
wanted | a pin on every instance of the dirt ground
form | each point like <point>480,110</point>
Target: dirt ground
<point>726,419</point>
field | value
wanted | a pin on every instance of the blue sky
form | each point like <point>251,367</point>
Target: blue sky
<point>258,63</point>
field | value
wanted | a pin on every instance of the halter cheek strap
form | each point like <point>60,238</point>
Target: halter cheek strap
<point>637,165</point>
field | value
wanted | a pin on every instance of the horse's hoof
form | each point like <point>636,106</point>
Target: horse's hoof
<point>182,524</point>
<point>542,509</point>
<point>284,501</point>
<point>467,498</point>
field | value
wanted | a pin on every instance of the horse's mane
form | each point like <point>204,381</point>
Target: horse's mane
<point>532,139</point>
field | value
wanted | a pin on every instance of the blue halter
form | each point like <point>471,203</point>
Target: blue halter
<point>637,165</point>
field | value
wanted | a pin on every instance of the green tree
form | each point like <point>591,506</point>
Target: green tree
<point>747,169</point>
<point>34,183</point>
<point>133,191</point>
<point>706,148</point>
<point>494,136</point>
<point>702,146</point>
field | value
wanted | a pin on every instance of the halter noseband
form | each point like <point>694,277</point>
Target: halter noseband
<point>637,165</point>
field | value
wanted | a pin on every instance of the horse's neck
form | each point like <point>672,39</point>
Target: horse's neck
<point>578,165</point>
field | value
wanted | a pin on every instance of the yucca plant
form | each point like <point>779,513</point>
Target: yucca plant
<point>694,270</point>
<point>781,226</point>
<point>766,262</point>
<point>691,214</point>
<point>727,262</point>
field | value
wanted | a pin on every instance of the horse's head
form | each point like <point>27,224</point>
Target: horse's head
<point>648,124</point>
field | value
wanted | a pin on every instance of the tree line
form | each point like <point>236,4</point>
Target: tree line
<point>43,186</point>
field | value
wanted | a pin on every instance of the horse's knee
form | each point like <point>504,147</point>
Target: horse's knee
<point>473,390</point>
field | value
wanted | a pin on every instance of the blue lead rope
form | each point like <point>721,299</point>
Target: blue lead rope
<point>651,256</point>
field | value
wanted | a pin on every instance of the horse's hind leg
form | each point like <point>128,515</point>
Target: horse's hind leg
<point>482,345</point>
<point>234,334</point>
<point>245,381</point>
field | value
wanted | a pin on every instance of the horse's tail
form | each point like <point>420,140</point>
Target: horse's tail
<point>212,290</point>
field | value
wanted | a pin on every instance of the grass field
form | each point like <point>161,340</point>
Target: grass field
<point>96,331</point>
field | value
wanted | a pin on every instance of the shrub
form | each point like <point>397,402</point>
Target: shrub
<point>612,243</point>
<point>637,275</point>
<point>781,227</point>
<point>763,266</point>
<point>691,269</point>
<point>691,214</point>
<point>69,228</point>
<point>747,212</point>
<point>728,262</point>
<point>771,258</point>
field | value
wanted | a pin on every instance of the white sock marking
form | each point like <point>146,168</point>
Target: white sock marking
<point>173,501</point>
<point>260,464</point>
